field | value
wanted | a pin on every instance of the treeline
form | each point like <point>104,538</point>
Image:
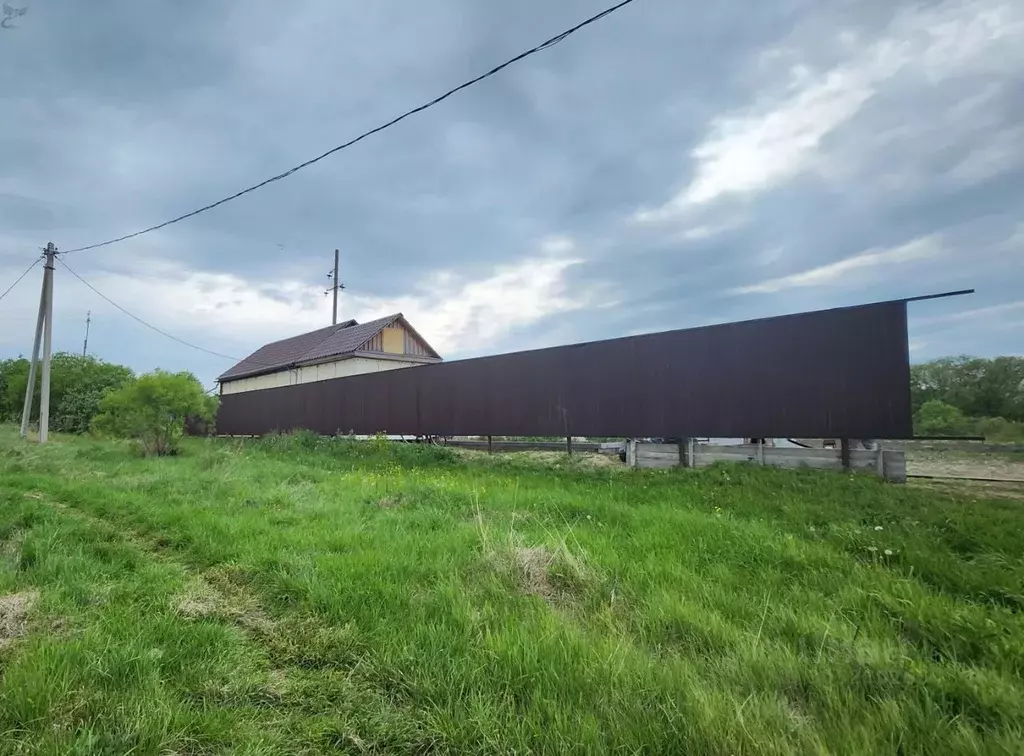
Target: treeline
<point>969,396</point>
<point>77,385</point>
<point>90,395</point>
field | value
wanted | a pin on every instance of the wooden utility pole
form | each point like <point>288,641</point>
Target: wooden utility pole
<point>335,287</point>
<point>26,412</point>
<point>334,311</point>
<point>85,346</point>
<point>44,331</point>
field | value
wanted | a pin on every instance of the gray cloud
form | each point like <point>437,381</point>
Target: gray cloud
<point>819,133</point>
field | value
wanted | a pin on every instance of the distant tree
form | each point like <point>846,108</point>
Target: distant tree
<point>153,410</point>
<point>937,418</point>
<point>77,384</point>
<point>203,423</point>
<point>13,380</point>
<point>977,387</point>
<point>1000,390</point>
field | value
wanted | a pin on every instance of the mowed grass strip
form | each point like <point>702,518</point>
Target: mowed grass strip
<point>304,595</point>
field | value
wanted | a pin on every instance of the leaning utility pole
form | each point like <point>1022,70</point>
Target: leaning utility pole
<point>335,287</point>
<point>88,319</point>
<point>44,331</point>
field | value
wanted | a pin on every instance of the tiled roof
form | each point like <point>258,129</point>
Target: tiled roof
<point>323,343</point>
<point>349,339</point>
<point>279,354</point>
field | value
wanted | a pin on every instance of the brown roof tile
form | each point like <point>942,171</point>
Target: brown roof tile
<point>349,339</point>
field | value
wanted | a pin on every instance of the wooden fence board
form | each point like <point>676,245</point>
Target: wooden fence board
<point>657,463</point>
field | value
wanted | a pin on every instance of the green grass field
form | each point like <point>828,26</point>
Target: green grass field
<point>304,596</point>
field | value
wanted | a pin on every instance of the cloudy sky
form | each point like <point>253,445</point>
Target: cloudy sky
<point>673,165</point>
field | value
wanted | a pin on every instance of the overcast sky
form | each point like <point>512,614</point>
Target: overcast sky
<point>674,165</point>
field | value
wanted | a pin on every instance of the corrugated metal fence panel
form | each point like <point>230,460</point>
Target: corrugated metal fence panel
<point>840,373</point>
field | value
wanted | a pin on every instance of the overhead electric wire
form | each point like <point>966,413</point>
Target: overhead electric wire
<point>27,271</point>
<point>150,325</point>
<point>419,109</point>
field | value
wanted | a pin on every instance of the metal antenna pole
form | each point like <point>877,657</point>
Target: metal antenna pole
<point>88,319</point>
<point>44,394</point>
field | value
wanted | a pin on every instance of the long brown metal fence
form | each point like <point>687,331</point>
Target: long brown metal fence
<point>840,373</point>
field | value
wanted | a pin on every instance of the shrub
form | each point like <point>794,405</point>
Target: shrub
<point>937,418</point>
<point>1000,430</point>
<point>154,409</point>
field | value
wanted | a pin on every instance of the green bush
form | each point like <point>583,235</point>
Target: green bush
<point>1000,430</point>
<point>153,410</point>
<point>936,418</point>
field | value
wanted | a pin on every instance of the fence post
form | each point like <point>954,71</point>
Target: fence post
<point>686,453</point>
<point>844,452</point>
<point>490,445</point>
<point>568,445</point>
<point>880,461</point>
<point>760,452</point>
<point>691,453</point>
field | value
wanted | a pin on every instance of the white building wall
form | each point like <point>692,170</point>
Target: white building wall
<point>312,373</point>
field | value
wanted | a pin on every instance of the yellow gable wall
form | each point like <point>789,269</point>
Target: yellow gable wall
<point>396,339</point>
<point>393,339</point>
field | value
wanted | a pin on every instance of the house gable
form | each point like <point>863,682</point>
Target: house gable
<point>398,338</point>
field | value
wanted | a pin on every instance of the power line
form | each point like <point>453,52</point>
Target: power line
<point>143,322</point>
<point>532,51</point>
<point>27,271</point>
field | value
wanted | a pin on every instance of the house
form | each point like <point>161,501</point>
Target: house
<point>348,348</point>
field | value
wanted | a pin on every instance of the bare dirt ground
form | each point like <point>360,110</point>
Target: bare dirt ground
<point>952,464</point>
<point>999,466</point>
<point>1007,468</point>
<point>585,460</point>
<point>972,488</point>
<point>1004,471</point>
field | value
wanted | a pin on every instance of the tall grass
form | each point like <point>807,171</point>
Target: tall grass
<point>307,595</point>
